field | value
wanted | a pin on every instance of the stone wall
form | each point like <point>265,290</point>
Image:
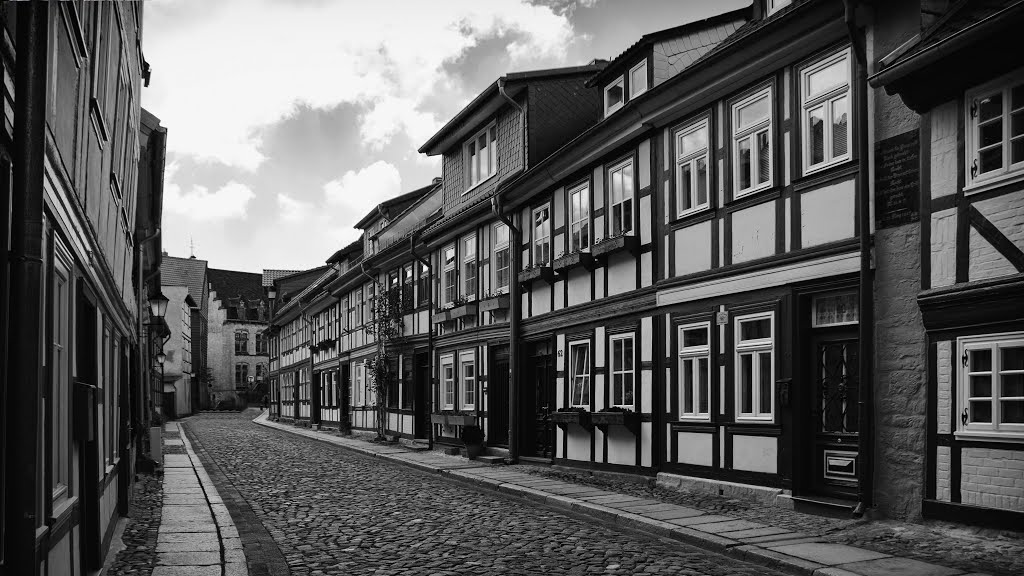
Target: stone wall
<point>993,478</point>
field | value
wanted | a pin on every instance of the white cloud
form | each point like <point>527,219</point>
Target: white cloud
<point>223,71</point>
<point>292,210</point>
<point>358,191</point>
<point>229,201</point>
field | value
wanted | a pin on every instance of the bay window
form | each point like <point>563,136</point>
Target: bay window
<point>579,219</point>
<point>752,142</point>
<point>692,174</point>
<point>694,371</point>
<point>622,371</point>
<point>620,184</point>
<point>755,367</point>
<point>825,104</point>
<point>579,375</point>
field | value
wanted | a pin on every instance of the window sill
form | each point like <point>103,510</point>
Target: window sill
<point>824,166</point>
<point>989,436</point>
<point>480,183</point>
<point>751,420</point>
<point>993,183</point>
<point>747,193</point>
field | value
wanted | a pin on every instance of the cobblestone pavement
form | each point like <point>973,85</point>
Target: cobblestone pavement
<point>332,511</point>
<point>970,549</point>
<point>140,532</point>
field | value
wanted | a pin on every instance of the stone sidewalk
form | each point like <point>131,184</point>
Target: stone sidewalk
<point>759,543</point>
<point>196,536</point>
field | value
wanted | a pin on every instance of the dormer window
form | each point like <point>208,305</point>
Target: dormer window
<point>776,5</point>
<point>481,160</point>
<point>614,96</point>
<point>638,79</point>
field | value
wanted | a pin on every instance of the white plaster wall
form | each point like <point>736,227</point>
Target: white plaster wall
<point>695,448</point>
<point>579,286</point>
<point>753,233</point>
<point>693,248</point>
<point>578,444</point>
<point>985,261</point>
<point>541,298</point>
<point>59,559</point>
<point>755,453</point>
<point>943,248</point>
<point>646,443</point>
<point>621,446</point>
<point>944,157</point>
<point>1006,213</point>
<point>645,220</point>
<point>827,213</point>
<point>621,273</point>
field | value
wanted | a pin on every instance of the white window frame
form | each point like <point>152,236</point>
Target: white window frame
<point>586,378</point>
<point>470,149</point>
<point>695,354</point>
<point>500,246</point>
<point>469,282</point>
<point>466,359</point>
<point>756,348</point>
<point>541,240</point>
<point>994,430</point>
<point>63,324</point>
<point>621,83</point>
<point>581,224</point>
<point>622,371</point>
<point>359,383</point>
<point>447,391</point>
<point>450,285</point>
<point>634,93</point>
<point>692,159</point>
<point>750,133</point>
<point>776,5</point>
<point>613,205</point>
<point>826,101</point>
<point>1008,172</point>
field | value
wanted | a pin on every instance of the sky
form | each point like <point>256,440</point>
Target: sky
<point>289,120</point>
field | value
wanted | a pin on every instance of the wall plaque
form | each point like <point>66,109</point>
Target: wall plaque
<point>897,180</point>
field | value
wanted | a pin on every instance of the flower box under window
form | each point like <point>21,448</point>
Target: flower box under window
<point>563,418</point>
<point>496,302</point>
<point>441,316</point>
<point>536,273</point>
<point>453,419</point>
<point>629,419</point>
<point>564,263</point>
<point>467,309</point>
<point>628,243</point>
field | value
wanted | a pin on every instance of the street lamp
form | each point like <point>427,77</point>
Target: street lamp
<point>160,358</point>
<point>158,305</point>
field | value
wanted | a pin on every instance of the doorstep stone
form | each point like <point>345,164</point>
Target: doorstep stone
<point>828,554</point>
<point>898,566</point>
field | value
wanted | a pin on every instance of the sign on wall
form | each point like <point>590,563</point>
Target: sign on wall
<point>897,180</point>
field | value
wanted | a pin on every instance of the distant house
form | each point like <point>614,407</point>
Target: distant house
<point>236,349</point>
<point>189,273</point>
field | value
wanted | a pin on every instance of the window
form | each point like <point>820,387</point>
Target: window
<point>622,371</point>
<point>359,386</point>
<point>407,288</point>
<point>825,99</point>
<point>60,375</point>
<point>992,385</point>
<point>692,174</point>
<point>468,370</point>
<point>359,308</point>
<point>541,236</point>
<point>839,309</point>
<point>755,367</point>
<point>261,343</point>
<point>447,383</point>
<point>481,161</point>
<point>241,374</point>
<point>614,96</point>
<point>579,219</point>
<point>620,183</point>
<point>423,285</point>
<point>694,371</point>
<point>469,267</point>
<point>752,142</point>
<point>995,134</point>
<point>776,5</point>
<point>408,382</point>
<point>451,289</point>
<point>638,79</point>
<point>502,256</point>
<point>241,342</point>
<point>579,374</point>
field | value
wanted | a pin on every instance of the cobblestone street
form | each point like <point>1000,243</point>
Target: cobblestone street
<point>332,511</point>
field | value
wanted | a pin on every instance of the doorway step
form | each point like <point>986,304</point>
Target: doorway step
<point>416,444</point>
<point>818,504</point>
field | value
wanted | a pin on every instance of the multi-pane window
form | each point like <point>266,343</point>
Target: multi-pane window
<point>241,342</point>
<point>622,371</point>
<point>579,219</point>
<point>358,308</point>
<point>481,160</point>
<point>359,386</point>
<point>638,79</point>
<point>620,184</point>
<point>447,383</point>
<point>261,343</point>
<point>451,288</point>
<point>752,142</point>
<point>694,371</point>
<point>541,236</point>
<point>692,174</point>
<point>468,370</point>
<point>992,386</point>
<point>995,138</point>
<point>423,286</point>
<point>241,374</point>
<point>469,267</point>
<point>614,96</point>
<point>60,378</point>
<point>825,100</point>
<point>579,374</point>
<point>755,367</point>
<point>407,287</point>
<point>502,256</point>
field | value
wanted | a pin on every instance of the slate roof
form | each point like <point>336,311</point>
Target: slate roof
<point>231,284</point>
<point>188,272</point>
<point>395,206</point>
<point>270,275</point>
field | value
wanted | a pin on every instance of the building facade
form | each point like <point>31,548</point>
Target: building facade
<point>190,274</point>
<point>237,352</point>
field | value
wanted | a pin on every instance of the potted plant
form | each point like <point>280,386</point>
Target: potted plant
<point>563,263</point>
<point>462,307</point>
<point>538,272</point>
<point>565,416</point>
<point>494,301</point>
<point>473,438</point>
<point>616,415</point>
<point>614,244</point>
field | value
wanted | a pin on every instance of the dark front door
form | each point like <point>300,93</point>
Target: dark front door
<point>538,391</point>
<point>421,420</point>
<point>497,399</point>
<point>345,418</point>
<point>835,385</point>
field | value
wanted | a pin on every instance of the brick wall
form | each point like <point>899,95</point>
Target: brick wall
<point>993,478</point>
<point>1006,213</point>
<point>944,379</point>
<point>942,474</point>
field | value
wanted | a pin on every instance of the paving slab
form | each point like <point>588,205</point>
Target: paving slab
<point>898,566</point>
<point>193,527</point>
<point>186,571</point>
<point>780,537</point>
<point>673,512</point>
<point>694,520</point>
<point>188,558</point>
<point>204,545</point>
<point>747,535</point>
<point>723,528</point>
<point>182,537</point>
<point>827,554</point>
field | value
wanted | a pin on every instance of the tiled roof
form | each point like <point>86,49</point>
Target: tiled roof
<point>188,272</point>
<point>960,16</point>
<point>231,284</point>
<point>270,275</point>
